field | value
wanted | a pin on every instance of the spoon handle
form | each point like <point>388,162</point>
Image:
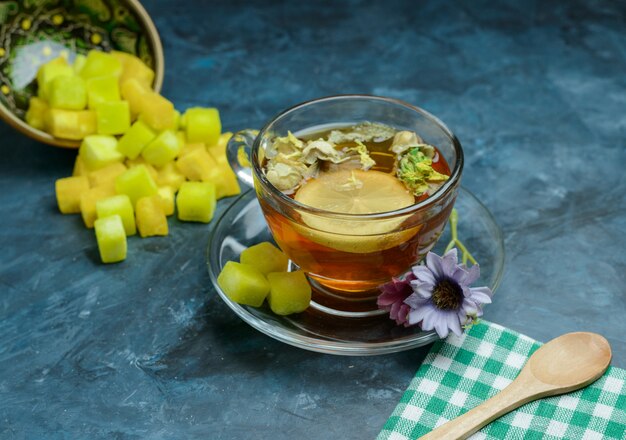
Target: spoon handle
<point>519,392</point>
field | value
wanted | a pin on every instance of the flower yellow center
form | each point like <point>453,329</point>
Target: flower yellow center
<point>447,295</point>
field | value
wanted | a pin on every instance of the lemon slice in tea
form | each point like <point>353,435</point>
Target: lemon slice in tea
<point>355,192</point>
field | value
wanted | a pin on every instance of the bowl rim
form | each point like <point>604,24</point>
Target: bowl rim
<point>154,40</point>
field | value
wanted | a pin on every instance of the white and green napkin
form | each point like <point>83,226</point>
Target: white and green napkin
<point>462,372</point>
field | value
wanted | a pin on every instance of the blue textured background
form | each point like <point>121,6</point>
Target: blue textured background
<point>536,92</point>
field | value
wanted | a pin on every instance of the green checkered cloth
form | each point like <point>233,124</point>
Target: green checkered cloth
<point>460,373</point>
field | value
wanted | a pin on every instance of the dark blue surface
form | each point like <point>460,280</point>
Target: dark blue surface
<point>536,92</point>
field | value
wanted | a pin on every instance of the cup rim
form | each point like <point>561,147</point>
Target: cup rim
<point>441,193</point>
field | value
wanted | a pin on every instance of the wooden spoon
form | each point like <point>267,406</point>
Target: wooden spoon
<point>564,364</point>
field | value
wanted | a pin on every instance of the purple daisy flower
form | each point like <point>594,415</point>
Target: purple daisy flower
<point>393,295</point>
<point>442,298</point>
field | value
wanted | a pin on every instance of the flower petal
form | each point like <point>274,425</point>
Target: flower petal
<point>449,262</point>
<point>454,324</point>
<point>433,261</point>
<point>415,301</point>
<point>459,275</point>
<point>403,313</point>
<point>424,290</point>
<point>481,294</point>
<point>471,274</point>
<point>430,319</point>
<point>423,273</point>
<point>393,312</point>
<point>417,315</point>
<point>385,300</point>
<point>452,254</point>
<point>441,326</point>
<point>468,307</point>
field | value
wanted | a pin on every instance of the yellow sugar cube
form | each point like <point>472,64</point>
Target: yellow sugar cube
<point>67,92</point>
<point>136,183</point>
<point>102,89</point>
<point>157,112</point>
<point>151,219</point>
<point>36,113</point>
<point>49,71</point>
<point>226,184</point>
<point>243,284</point>
<point>135,139</point>
<point>79,63</point>
<point>70,124</point>
<point>68,192</point>
<point>111,239</point>
<point>118,205</point>
<point>182,138</point>
<point>131,163</point>
<point>196,201</point>
<point>133,67</point>
<point>167,199</point>
<point>218,150</point>
<point>163,149</point>
<point>169,175</point>
<point>203,125</point>
<point>265,257</point>
<point>176,125</point>
<point>290,292</point>
<point>197,165</point>
<point>100,63</point>
<point>133,92</point>
<point>188,148</point>
<point>88,202</point>
<point>106,175</point>
<point>113,117</point>
<point>98,151</point>
<point>80,169</point>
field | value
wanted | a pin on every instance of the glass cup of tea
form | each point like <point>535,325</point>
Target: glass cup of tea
<point>346,255</point>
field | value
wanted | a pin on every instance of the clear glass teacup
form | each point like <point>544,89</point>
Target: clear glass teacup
<point>347,256</point>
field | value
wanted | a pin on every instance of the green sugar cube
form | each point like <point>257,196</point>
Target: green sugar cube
<point>100,63</point>
<point>102,89</point>
<point>135,139</point>
<point>166,193</point>
<point>111,239</point>
<point>243,284</point>
<point>195,201</point>
<point>98,151</point>
<point>68,93</point>
<point>49,71</point>
<point>118,205</point>
<point>163,149</point>
<point>136,183</point>
<point>265,257</point>
<point>79,63</point>
<point>70,124</point>
<point>170,176</point>
<point>202,125</point>
<point>290,292</point>
<point>113,117</point>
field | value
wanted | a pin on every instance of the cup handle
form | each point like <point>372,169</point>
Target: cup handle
<point>238,154</point>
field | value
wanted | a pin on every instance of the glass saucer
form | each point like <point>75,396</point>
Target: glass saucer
<point>243,225</point>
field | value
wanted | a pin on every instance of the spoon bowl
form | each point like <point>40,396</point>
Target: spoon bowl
<point>573,360</point>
